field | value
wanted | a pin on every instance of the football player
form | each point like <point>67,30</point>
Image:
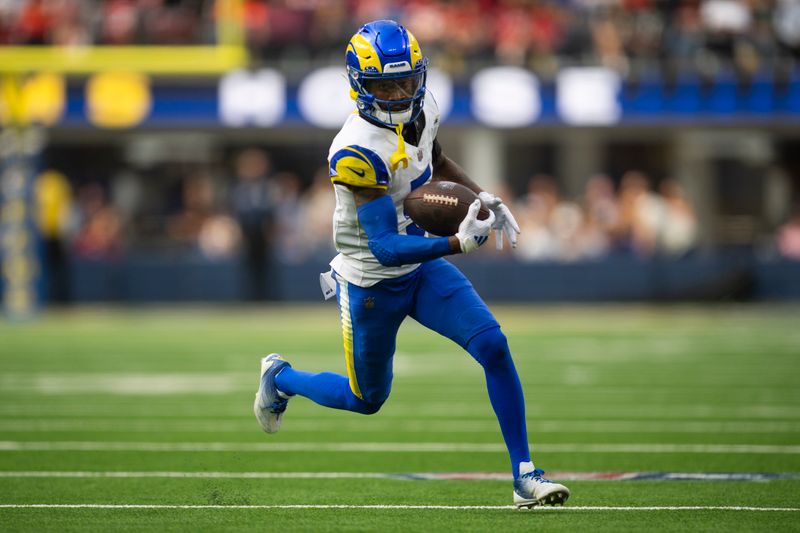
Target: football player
<point>388,269</point>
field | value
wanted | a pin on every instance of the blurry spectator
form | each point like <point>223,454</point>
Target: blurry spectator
<point>365,10</point>
<point>197,207</point>
<point>679,233</point>
<point>461,36</point>
<point>683,38</point>
<point>726,17</point>
<point>644,31</point>
<point>641,215</point>
<point>219,237</point>
<point>549,27</point>
<point>566,224</point>
<point>99,236</point>
<point>71,24</point>
<point>608,45</point>
<point>330,27</point>
<point>600,203</point>
<point>256,25</point>
<point>789,237</point>
<point>32,23</point>
<point>54,219</point>
<point>289,28</point>
<point>429,24</point>
<point>536,241</point>
<point>786,20</point>
<point>559,230</point>
<point>173,22</point>
<point>726,22</point>
<point>760,48</point>
<point>318,204</point>
<point>253,207</point>
<point>638,221</point>
<point>290,238</point>
<point>512,32</point>
<point>601,216</point>
<point>119,22</point>
<point>127,194</point>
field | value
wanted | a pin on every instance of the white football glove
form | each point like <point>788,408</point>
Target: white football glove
<point>473,232</point>
<point>504,220</point>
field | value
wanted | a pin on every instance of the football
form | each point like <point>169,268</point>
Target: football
<point>438,207</point>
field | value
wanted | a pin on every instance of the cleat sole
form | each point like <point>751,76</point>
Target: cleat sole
<point>556,498</point>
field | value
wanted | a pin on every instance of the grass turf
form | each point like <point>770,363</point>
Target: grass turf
<point>593,376</point>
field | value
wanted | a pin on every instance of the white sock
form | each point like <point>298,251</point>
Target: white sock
<point>526,467</point>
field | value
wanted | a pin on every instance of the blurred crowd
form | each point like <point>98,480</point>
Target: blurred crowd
<point>631,219</point>
<point>106,22</point>
<point>261,214</point>
<point>249,210</point>
<point>635,37</point>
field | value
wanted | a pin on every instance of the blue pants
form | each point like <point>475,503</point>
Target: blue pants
<point>438,296</point>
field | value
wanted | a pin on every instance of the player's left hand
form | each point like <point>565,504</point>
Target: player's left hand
<point>504,221</point>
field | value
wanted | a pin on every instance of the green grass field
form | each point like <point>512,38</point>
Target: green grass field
<point>141,420</point>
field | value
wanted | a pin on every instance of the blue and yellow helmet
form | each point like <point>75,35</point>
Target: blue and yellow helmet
<point>387,72</point>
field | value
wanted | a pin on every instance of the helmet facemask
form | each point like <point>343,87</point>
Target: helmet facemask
<point>390,99</point>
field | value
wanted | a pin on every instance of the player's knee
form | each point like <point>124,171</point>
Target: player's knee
<point>369,403</point>
<point>370,408</point>
<point>490,348</point>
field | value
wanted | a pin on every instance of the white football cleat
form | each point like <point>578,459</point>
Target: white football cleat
<point>531,489</point>
<point>270,403</point>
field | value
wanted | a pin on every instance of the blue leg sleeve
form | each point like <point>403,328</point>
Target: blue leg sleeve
<point>490,349</point>
<point>325,388</point>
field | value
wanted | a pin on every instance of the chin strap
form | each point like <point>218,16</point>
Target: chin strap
<point>400,156</point>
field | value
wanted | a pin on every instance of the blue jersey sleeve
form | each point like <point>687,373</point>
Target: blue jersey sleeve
<point>379,220</point>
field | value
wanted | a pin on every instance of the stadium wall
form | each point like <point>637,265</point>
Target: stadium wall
<point>720,277</point>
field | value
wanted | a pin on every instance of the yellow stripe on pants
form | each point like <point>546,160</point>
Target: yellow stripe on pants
<point>347,335</point>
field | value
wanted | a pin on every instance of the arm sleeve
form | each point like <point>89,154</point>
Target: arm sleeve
<point>379,220</point>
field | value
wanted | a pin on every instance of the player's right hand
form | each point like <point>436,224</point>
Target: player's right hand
<point>472,233</point>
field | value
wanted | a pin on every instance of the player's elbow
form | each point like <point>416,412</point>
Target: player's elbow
<point>384,254</point>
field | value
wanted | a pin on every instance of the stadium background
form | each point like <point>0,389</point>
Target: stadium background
<point>171,151</point>
<point>649,149</point>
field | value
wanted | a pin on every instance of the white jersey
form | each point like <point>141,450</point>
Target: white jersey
<point>360,155</point>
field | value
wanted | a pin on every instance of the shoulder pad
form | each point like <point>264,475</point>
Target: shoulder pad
<point>360,167</point>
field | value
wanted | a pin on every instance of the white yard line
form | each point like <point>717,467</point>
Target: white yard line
<point>182,409</point>
<point>214,475</point>
<point>145,425</point>
<point>136,384</point>
<point>394,507</point>
<point>451,476</point>
<point>392,447</point>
